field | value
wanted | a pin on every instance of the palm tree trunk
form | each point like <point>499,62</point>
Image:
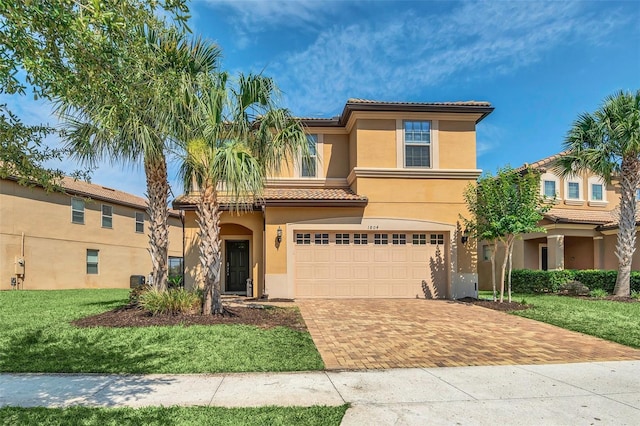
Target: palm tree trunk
<point>158,193</point>
<point>626,243</point>
<point>210,252</point>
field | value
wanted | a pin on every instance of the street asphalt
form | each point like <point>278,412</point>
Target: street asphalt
<point>598,393</point>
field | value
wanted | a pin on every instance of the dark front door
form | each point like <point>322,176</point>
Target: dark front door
<point>544,258</point>
<point>237,257</point>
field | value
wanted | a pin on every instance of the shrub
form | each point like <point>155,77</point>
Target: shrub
<point>598,293</point>
<point>536,281</point>
<point>171,302</point>
<point>635,294</point>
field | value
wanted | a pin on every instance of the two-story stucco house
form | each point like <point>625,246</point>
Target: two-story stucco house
<point>89,236</point>
<point>581,227</point>
<point>376,214</point>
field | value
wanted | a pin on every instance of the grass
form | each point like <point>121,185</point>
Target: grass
<point>318,415</point>
<point>36,336</point>
<point>615,321</point>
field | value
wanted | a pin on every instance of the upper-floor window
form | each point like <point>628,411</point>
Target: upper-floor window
<point>549,188</point>
<point>549,185</point>
<point>107,216</point>
<point>573,190</point>
<point>309,165</point>
<point>596,192</point>
<point>77,210</point>
<point>417,144</point>
<point>139,222</point>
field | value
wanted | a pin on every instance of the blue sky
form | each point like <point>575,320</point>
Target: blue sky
<point>539,63</point>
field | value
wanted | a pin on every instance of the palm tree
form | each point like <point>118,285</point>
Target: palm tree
<point>607,143</point>
<point>237,136</point>
<point>131,118</point>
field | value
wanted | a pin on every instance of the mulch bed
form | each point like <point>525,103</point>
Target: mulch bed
<point>496,306</point>
<point>259,316</point>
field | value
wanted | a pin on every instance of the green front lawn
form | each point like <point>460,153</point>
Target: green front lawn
<point>36,336</point>
<point>615,321</point>
<point>161,416</point>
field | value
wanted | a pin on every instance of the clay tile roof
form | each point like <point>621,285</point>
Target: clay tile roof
<point>454,103</point>
<point>103,193</point>
<point>541,163</point>
<point>276,195</point>
<point>614,220</point>
<point>312,194</point>
<point>599,217</point>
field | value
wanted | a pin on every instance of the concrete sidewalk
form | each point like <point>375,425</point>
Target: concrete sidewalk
<point>600,393</point>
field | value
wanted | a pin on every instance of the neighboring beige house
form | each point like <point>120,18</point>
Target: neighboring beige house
<point>89,237</point>
<point>375,215</point>
<point>581,227</point>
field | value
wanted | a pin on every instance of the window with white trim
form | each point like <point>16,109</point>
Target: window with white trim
<point>380,239</point>
<point>77,211</point>
<point>597,192</point>
<point>549,188</point>
<point>342,239</point>
<point>107,216</point>
<point>139,222</point>
<point>573,191</point>
<point>92,261</point>
<point>322,239</point>
<point>436,239</point>
<point>420,239</point>
<point>304,239</point>
<point>309,165</point>
<point>360,239</point>
<point>399,239</point>
<point>417,144</point>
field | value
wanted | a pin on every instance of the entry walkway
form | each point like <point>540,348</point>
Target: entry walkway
<point>405,333</point>
<point>606,393</point>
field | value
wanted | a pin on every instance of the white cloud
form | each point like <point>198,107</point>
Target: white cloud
<point>258,15</point>
<point>488,138</point>
<point>403,54</point>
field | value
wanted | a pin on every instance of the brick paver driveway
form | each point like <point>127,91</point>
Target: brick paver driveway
<point>374,334</point>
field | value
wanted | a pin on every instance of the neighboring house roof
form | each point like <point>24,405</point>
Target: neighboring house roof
<point>593,217</point>
<point>355,104</point>
<point>102,193</point>
<point>541,163</point>
<point>288,197</point>
<point>605,219</point>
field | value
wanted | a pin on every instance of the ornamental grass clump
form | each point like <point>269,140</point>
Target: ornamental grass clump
<point>598,293</point>
<point>170,302</point>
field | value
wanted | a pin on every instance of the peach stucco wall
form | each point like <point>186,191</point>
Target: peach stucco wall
<point>55,249</point>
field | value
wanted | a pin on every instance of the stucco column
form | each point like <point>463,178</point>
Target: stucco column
<point>555,252</point>
<point>598,252</point>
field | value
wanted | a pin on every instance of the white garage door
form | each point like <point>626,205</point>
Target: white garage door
<point>381,264</point>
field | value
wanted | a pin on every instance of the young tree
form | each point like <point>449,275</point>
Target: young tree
<point>236,137</point>
<point>503,207</point>
<point>607,143</point>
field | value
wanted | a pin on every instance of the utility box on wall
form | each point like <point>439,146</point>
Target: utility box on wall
<point>19,266</point>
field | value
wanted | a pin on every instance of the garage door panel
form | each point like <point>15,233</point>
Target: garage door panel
<point>370,270</point>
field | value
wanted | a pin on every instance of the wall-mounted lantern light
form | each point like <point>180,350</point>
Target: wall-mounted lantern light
<point>465,236</point>
<point>279,235</point>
